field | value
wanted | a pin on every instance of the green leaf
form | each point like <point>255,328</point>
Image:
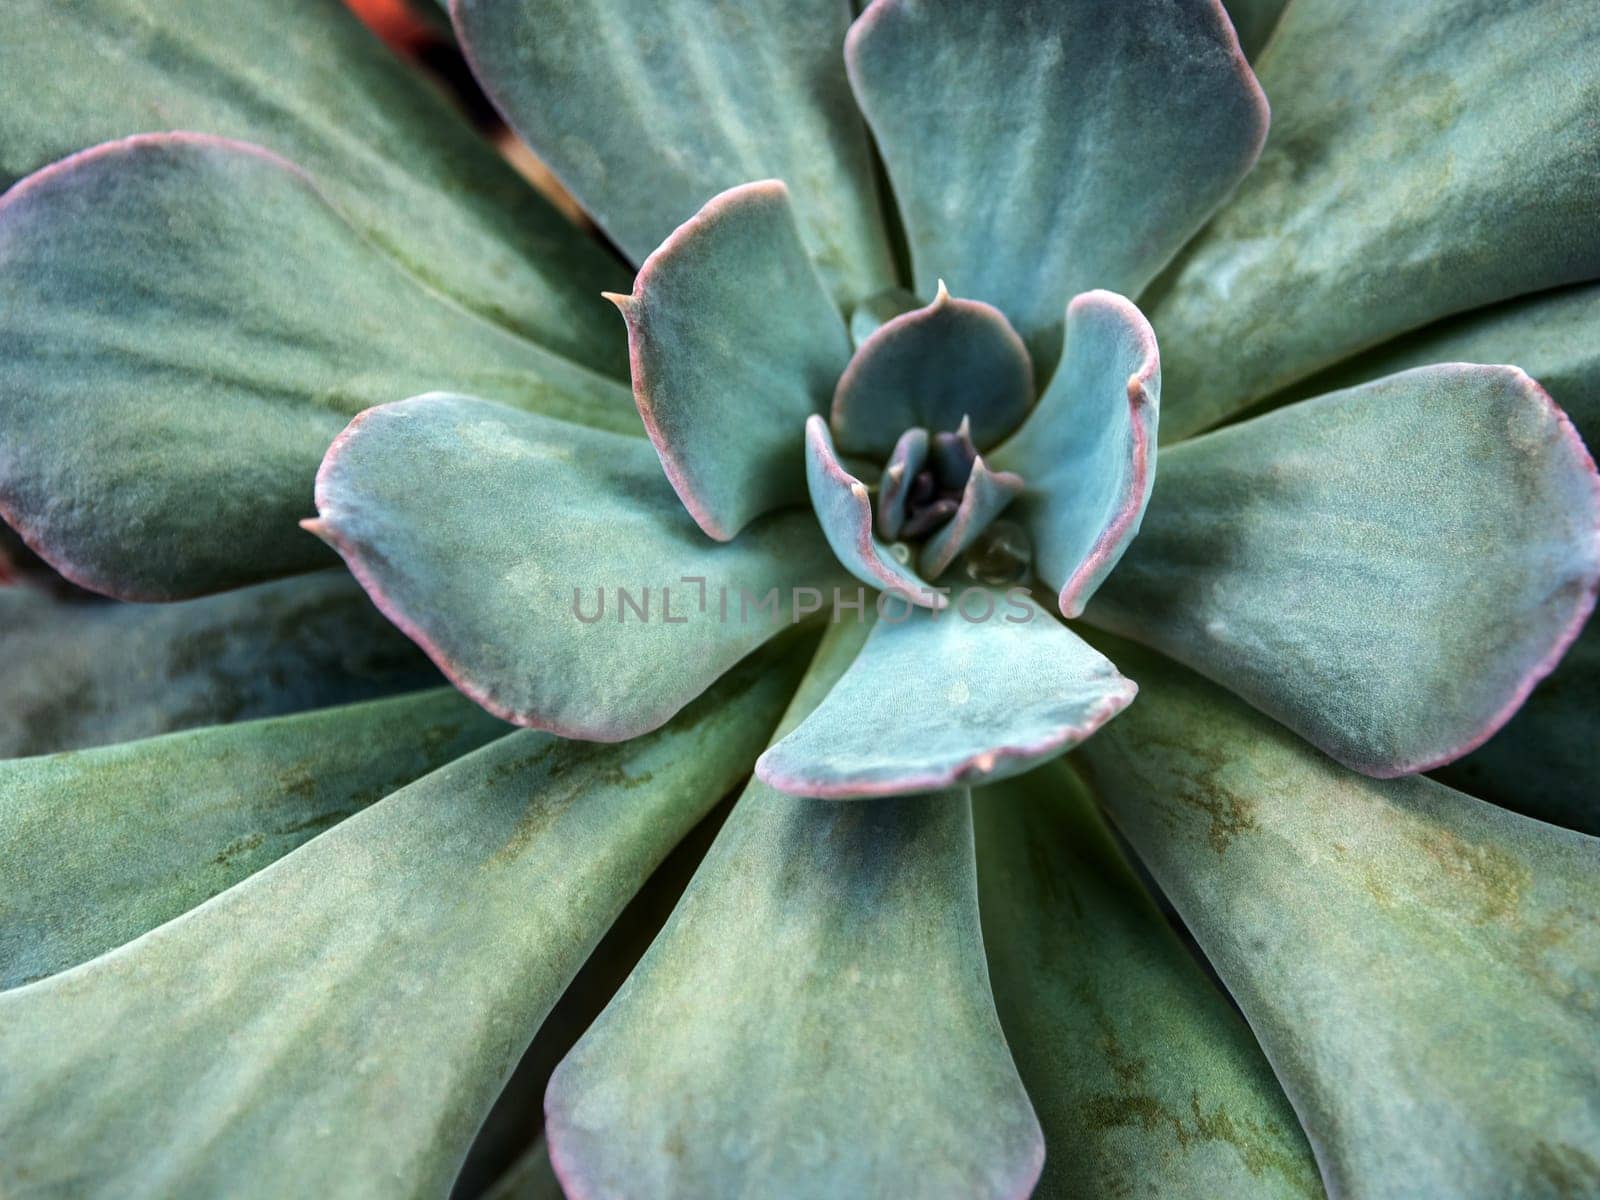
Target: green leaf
<point>1146,1081</point>
<point>187,324</point>
<point>1543,762</point>
<point>1254,21</point>
<point>647,108</point>
<point>314,86</point>
<point>933,367</point>
<point>1386,570</point>
<point>503,542</point>
<point>339,1023</point>
<point>102,845</point>
<point>734,344</point>
<point>82,673</point>
<point>1087,452</point>
<point>1422,968</point>
<point>1039,149</point>
<point>1426,158</point>
<point>985,689</point>
<point>814,1020</point>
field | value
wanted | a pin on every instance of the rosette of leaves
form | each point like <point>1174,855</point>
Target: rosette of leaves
<point>913,285</point>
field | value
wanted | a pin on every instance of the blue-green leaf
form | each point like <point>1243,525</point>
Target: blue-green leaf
<point>548,569</point>
<point>102,845</point>
<point>933,367</point>
<point>843,508</point>
<point>80,673</point>
<point>1038,149</point>
<point>734,344</point>
<point>814,1020</point>
<point>1386,570</point>
<point>339,1023</point>
<point>983,690</point>
<point>646,109</point>
<point>185,324</point>
<point>1422,968</point>
<point>314,86</point>
<point>1087,453</point>
<point>1426,158</point>
<point>1146,1081</point>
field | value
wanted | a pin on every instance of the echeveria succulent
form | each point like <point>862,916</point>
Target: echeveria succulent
<point>858,513</point>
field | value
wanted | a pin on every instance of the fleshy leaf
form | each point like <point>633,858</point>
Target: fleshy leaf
<point>339,1023</point>
<point>1425,159</point>
<point>814,1020</point>
<point>502,542</point>
<point>646,109</point>
<point>1542,762</point>
<point>909,456</point>
<point>103,845</point>
<point>185,324</point>
<point>932,367</point>
<point>82,674</point>
<point>844,510</point>
<point>314,86</point>
<point>983,499</point>
<point>1146,1081</point>
<point>1039,149</point>
<point>1386,570</point>
<point>981,691</point>
<point>1422,968</point>
<point>1088,451</point>
<point>734,344</point>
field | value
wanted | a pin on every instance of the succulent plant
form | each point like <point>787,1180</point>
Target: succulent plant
<point>857,515</point>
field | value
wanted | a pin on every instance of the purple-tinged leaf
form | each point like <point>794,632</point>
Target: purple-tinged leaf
<point>390,150</point>
<point>843,508</point>
<point>985,689</point>
<point>1038,149</point>
<point>1387,570</point>
<point>930,368</point>
<point>984,498</point>
<point>549,569</point>
<point>1425,159</point>
<point>185,324</point>
<point>813,1022</point>
<point>645,109</point>
<point>894,489</point>
<point>1088,450</point>
<point>734,344</point>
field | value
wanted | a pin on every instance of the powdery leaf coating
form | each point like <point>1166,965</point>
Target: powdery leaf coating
<point>161,825</point>
<point>1425,159</point>
<point>1087,453</point>
<point>314,86</point>
<point>498,540</point>
<point>814,1021</point>
<point>1386,570</point>
<point>933,367</point>
<point>1038,149</point>
<point>986,689</point>
<point>390,972</point>
<point>646,109</point>
<point>1146,1081</point>
<point>187,319</point>
<point>1420,967</point>
<point>734,343</point>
